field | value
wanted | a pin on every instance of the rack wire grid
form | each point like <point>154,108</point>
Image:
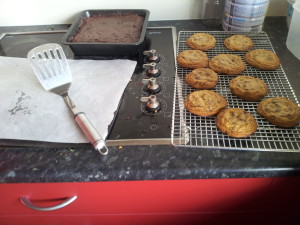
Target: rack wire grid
<point>190,130</point>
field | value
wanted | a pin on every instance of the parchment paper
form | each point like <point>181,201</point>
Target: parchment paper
<point>28,112</point>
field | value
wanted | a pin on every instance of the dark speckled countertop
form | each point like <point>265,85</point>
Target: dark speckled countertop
<point>44,164</point>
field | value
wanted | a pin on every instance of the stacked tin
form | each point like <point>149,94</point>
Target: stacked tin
<point>244,15</point>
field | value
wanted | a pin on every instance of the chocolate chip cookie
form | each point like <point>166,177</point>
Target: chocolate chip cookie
<point>202,78</point>
<point>205,103</point>
<point>201,41</point>
<point>227,64</point>
<point>238,42</point>
<point>280,111</point>
<point>236,122</point>
<point>262,59</point>
<point>192,59</point>
<point>248,88</point>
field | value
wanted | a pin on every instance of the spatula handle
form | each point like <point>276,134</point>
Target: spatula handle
<point>91,133</point>
<point>87,127</point>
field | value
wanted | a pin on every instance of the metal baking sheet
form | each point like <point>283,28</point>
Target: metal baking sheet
<point>190,130</point>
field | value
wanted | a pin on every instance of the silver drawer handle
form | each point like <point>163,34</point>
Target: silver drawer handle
<point>29,204</point>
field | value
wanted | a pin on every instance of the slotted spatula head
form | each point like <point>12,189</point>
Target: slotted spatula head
<point>51,67</point>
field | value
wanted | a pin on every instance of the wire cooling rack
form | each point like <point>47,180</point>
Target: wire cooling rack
<point>190,130</point>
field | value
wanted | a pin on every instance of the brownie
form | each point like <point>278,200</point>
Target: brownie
<point>109,29</point>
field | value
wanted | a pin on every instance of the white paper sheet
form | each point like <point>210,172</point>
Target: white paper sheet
<point>28,112</point>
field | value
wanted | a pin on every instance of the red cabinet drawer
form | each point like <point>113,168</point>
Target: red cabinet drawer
<point>41,194</point>
<point>171,196</point>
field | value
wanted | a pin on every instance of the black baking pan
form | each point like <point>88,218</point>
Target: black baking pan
<point>105,49</point>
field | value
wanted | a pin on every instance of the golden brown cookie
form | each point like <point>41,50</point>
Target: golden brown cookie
<point>262,59</point>
<point>227,64</point>
<point>280,111</point>
<point>202,78</point>
<point>236,122</point>
<point>192,59</point>
<point>201,41</point>
<point>248,88</point>
<point>205,103</point>
<point>238,42</point>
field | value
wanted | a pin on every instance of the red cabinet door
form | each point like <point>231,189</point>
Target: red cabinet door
<point>283,195</point>
<point>171,196</point>
<point>136,219</point>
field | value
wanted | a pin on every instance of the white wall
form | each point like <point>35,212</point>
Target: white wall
<point>39,12</point>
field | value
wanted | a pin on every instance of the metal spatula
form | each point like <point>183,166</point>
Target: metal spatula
<point>52,69</point>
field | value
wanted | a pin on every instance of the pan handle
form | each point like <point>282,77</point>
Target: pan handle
<point>87,127</point>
